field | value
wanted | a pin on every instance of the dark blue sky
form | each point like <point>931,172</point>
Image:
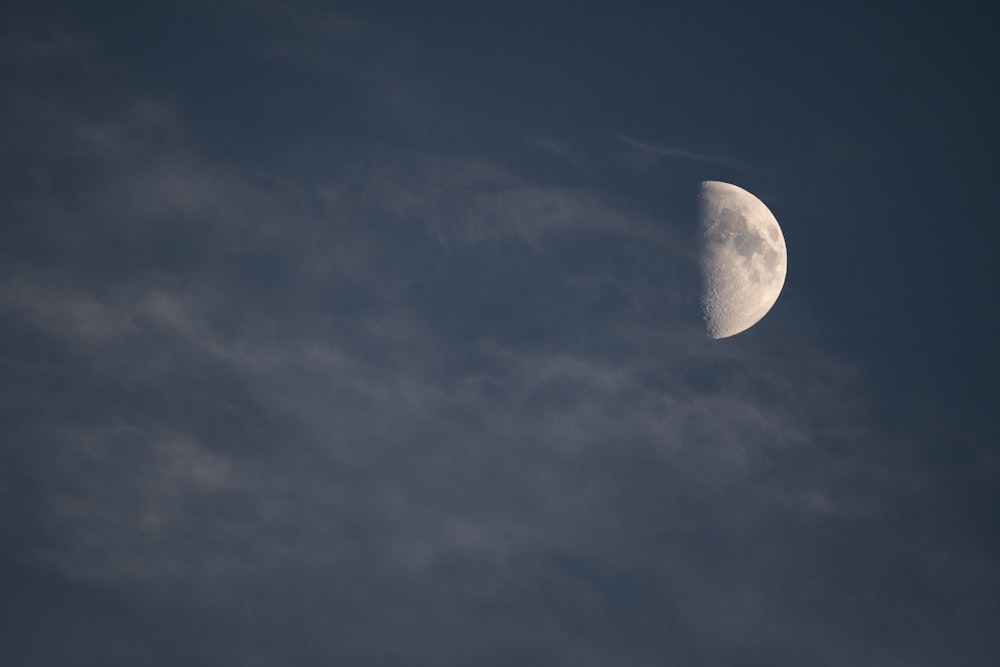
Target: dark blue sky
<point>367,333</point>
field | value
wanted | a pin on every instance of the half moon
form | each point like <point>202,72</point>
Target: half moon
<point>742,258</point>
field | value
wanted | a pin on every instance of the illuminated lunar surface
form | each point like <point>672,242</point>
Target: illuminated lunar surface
<point>742,257</point>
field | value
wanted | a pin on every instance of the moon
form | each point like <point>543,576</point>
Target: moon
<point>742,258</point>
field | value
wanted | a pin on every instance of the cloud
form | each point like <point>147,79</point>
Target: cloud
<point>427,395</point>
<point>125,504</point>
<point>649,152</point>
<point>559,150</point>
<point>43,44</point>
<point>369,373</point>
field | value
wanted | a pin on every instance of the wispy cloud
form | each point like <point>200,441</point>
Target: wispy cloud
<point>363,363</point>
<point>425,394</point>
<point>560,150</point>
<point>651,152</point>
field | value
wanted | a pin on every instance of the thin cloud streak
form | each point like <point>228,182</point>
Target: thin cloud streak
<point>657,151</point>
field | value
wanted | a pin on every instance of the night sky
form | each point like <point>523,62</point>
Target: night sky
<point>367,333</point>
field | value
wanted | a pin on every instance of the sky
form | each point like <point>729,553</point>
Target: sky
<point>367,333</point>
